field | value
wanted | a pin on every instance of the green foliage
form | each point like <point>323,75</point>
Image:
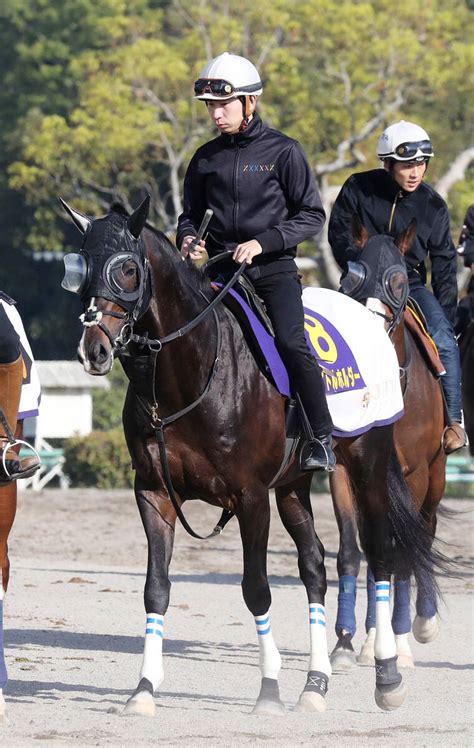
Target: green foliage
<point>96,99</point>
<point>107,404</point>
<point>100,459</point>
<point>329,66</point>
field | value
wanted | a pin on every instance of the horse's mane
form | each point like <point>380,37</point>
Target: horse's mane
<point>196,278</point>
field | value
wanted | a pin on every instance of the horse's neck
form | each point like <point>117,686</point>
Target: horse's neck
<point>175,300</point>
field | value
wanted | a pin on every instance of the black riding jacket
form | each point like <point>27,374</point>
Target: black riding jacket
<point>386,209</point>
<point>260,186</point>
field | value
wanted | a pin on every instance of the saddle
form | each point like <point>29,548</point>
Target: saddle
<point>246,291</point>
<point>416,323</point>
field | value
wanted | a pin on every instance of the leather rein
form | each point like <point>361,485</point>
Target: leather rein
<point>159,424</point>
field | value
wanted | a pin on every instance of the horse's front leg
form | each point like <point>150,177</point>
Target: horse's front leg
<point>158,519</point>
<point>8,495</point>
<point>348,567</point>
<point>297,517</point>
<point>254,520</point>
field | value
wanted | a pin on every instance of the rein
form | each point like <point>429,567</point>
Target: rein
<point>158,424</point>
<point>156,344</point>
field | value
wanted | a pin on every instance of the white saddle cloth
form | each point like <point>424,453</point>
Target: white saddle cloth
<point>359,363</point>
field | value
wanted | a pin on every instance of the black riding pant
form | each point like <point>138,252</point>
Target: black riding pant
<point>281,294</point>
<point>9,339</point>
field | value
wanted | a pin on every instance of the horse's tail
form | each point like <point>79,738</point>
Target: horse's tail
<point>414,547</point>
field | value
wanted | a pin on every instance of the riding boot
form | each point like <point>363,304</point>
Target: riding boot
<point>454,437</point>
<point>11,465</point>
<point>320,455</point>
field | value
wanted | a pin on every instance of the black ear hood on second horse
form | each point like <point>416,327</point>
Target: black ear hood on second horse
<point>380,271</point>
<point>112,247</point>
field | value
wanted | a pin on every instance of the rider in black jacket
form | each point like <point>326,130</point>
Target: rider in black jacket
<point>265,201</point>
<point>386,200</point>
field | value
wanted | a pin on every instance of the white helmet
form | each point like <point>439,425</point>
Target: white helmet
<point>404,141</point>
<point>226,76</point>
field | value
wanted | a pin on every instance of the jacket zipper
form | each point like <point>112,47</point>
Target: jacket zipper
<point>392,212</point>
<point>235,179</point>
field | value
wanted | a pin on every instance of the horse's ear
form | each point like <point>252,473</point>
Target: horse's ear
<point>407,237</point>
<point>138,218</point>
<point>82,222</point>
<point>359,232</point>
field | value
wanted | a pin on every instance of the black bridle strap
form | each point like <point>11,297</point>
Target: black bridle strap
<point>226,513</point>
<point>158,424</point>
<point>158,343</point>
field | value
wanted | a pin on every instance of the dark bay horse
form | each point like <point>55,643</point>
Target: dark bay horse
<point>418,440</point>
<point>224,443</point>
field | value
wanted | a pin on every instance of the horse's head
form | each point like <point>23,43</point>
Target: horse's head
<point>111,275</point>
<point>378,277</point>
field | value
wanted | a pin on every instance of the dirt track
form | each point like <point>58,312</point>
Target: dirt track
<point>74,623</point>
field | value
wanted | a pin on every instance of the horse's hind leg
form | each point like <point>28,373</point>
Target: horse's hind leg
<point>425,625</point>
<point>254,520</point>
<point>7,515</point>
<point>384,510</point>
<point>401,622</point>
<point>348,567</point>
<point>295,511</point>
<point>158,519</point>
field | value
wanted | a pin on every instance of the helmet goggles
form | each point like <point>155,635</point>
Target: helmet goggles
<point>420,149</point>
<point>222,88</point>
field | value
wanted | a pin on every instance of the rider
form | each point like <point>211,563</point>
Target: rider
<point>386,200</point>
<point>11,378</point>
<point>265,201</point>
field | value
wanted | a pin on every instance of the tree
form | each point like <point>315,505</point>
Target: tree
<point>335,73</point>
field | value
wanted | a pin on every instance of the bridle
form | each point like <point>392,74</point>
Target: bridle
<point>93,316</point>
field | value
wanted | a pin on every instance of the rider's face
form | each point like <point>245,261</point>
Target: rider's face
<point>409,174</point>
<point>226,115</point>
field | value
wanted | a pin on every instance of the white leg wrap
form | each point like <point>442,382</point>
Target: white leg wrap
<point>152,667</point>
<point>318,657</point>
<point>403,647</point>
<point>270,660</point>
<point>384,646</point>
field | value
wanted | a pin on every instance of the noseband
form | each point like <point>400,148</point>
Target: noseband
<point>92,317</point>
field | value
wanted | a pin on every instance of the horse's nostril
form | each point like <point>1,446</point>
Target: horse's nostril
<point>98,353</point>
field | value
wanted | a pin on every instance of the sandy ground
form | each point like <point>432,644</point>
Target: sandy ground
<point>74,623</point>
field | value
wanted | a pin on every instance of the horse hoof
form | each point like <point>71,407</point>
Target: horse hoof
<point>142,704</point>
<point>405,660</point>
<point>342,660</point>
<point>265,706</point>
<point>425,629</point>
<point>388,701</point>
<point>310,701</point>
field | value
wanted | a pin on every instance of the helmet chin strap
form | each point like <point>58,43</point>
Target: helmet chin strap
<point>246,111</point>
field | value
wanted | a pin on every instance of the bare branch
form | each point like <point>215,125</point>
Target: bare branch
<point>275,41</point>
<point>456,172</point>
<point>342,161</point>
